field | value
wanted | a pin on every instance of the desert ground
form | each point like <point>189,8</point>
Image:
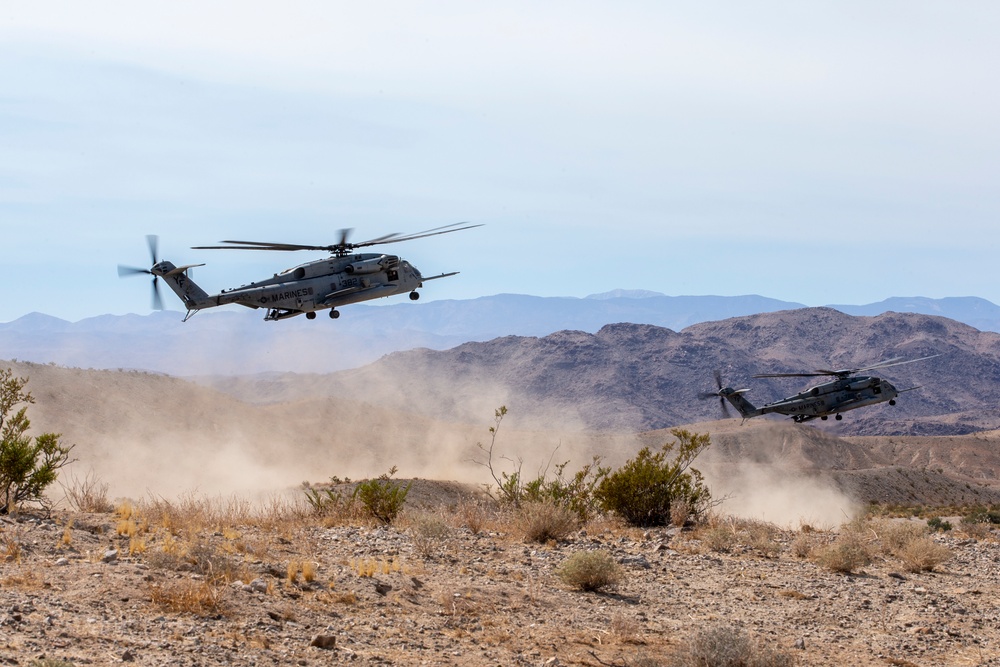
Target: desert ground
<point>182,536</point>
<point>455,581</point>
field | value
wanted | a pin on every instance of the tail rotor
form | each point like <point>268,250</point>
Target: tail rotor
<point>723,403</point>
<point>128,271</point>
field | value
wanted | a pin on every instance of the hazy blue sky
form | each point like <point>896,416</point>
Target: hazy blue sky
<point>838,152</point>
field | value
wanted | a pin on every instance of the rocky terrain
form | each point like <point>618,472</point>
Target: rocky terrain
<point>452,582</point>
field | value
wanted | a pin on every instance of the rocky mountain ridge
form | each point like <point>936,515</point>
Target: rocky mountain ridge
<point>635,377</point>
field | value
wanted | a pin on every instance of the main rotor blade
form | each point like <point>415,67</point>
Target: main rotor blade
<point>895,362</point>
<point>260,245</point>
<point>419,235</point>
<point>338,247</point>
<point>795,375</point>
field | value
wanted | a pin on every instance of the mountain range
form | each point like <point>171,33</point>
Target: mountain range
<point>639,377</point>
<point>237,342</point>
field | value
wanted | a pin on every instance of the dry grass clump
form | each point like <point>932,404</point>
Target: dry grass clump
<point>848,553</point>
<point>923,554</point>
<point>544,521</point>
<point>625,629</point>
<point>472,514</point>
<point>896,535</point>
<point>909,542</point>
<point>187,596</point>
<point>725,645</point>
<point>429,532</point>
<point>724,534</point>
<point>803,545</point>
<point>89,494</point>
<point>590,571</point>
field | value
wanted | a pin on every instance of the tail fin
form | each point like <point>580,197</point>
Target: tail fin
<point>193,296</point>
<point>735,397</point>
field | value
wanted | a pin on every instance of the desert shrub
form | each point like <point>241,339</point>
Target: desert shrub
<point>643,490</point>
<point>576,492</point>
<point>382,497</point>
<point>724,645</point>
<point>325,502</point>
<point>544,521</point>
<point>937,523</point>
<point>849,552</point>
<point>923,554</point>
<point>28,466</point>
<point>590,571</point>
<point>89,494</point>
<point>982,515</point>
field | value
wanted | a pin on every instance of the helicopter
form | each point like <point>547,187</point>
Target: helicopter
<point>343,278</point>
<point>848,391</point>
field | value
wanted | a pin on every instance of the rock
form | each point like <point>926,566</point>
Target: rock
<point>800,644</point>
<point>62,561</point>
<point>381,588</point>
<point>257,586</point>
<point>325,642</point>
<point>110,556</point>
<point>128,656</point>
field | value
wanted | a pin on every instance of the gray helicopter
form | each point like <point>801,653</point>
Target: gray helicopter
<point>847,392</point>
<point>343,278</point>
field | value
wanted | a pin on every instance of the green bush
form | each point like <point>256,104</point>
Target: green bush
<point>643,490</point>
<point>576,493</point>
<point>937,523</point>
<point>383,498</point>
<point>27,466</point>
<point>590,571</point>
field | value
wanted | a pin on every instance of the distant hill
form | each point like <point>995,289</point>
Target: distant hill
<point>236,341</point>
<point>636,377</point>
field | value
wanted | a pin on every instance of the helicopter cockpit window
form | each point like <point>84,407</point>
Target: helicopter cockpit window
<point>393,275</point>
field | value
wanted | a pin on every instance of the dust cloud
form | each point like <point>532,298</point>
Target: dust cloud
<point>147,434</point>
<point>774,472</point>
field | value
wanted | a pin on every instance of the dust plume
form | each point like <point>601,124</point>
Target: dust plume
<point>773,471</point>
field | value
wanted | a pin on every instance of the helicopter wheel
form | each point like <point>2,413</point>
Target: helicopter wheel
<point>334,314</point>
<point>839,417</point>
<point>892,401</point>
<point>414,296</point>
<point>825,417</point>
<point>310,315</point>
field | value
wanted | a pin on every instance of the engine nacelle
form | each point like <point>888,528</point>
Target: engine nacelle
<point>368,266</point>
<point>863,383</point>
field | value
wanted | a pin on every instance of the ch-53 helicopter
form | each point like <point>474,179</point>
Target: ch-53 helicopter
<point>847,392</point>
<point>344,278</point>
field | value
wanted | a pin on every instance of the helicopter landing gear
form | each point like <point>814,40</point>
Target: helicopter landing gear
<point>334,313</point>
<point>311,315</point>
<point>839,417</point>
<point>825,417</point>
<point>414,296</point>
<point>892,401</point>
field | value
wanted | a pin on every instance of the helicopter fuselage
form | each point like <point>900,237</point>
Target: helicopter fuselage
<point>306,288</point>
<point>834,397</point>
